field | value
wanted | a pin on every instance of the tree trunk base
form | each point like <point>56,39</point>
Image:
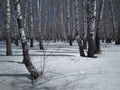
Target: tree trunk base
<point>81,50</point>
<point>90,47</point>
<point>108,40</point>
<point>70,42</point>
<point>31,42</point>
<point>117,42</point>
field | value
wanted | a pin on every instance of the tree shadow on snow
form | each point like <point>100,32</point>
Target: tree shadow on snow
<point>12,62</point>
<point>14,75</point>
<point>2,55</point>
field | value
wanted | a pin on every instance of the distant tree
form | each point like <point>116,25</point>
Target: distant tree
<point>115,6</point>
<point>69,35</point>
<point>7,28</point>
<point>85,24</point>
<point>54,21</point>
<point>113,17</point>
<point>107,22</point>
<point>31,24</point>
<point>40,38</point>
<point>2,19</point>
<point>62,30</point>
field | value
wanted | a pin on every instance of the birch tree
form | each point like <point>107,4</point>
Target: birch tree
<point>91,14</point>
<point>61,19</point>
<point>68,22</point>
<point>39,24</point>
<point>108,22</point>
<point>97,24</point>
<point>26,57</point>
<point>85,25</point>
<point>46,21</point>
<point>7,28</point>
<point>31,24</point>
<point>77,27</point>
<point>115,6</point>
<point>14,24</point>
<point>54,20</point>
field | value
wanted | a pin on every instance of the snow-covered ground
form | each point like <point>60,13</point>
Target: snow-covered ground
<point>65,69</point>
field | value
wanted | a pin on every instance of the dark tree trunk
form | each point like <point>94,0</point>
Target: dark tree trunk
<point>84,43</point>
<point>26,57</point>
<point>103,40</point>
<point>31,42</point>
<point>16,41</point>
<point>27,62</point>
<point>108,40</point>
<point>90,47</point>
<point>41,46</point>
<point>70,41</point>
<point>97,43</point>
<point>81,49</point>
<point>117,40</point>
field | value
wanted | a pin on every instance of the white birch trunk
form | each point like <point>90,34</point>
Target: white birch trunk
<point>39,25</point>
<point>98,17</point>
<point>113,16</point>
<point>77,27</point>
<point>8,39</point>
<point>26,57</point>
<point>68,15</point>
<point>76,17</point>
<point>68,22</point>
<point>117,41</point>
<point>91,14</point>
<point>85,19</point>
<point>61,18</point>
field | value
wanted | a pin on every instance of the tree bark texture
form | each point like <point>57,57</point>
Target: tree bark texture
<point>98,18</point>
<point>68,22</point>
<point>77,27</point>
<point>7,28</point>
<point>41,46</point>
<point>91,12</point>
<point>31,24</point>
<point>26,57</point>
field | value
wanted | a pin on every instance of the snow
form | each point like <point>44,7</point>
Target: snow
<point>64,68</point>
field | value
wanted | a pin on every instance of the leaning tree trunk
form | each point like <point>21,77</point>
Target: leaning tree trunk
<point>8,40</point>
<point>91,13</point>
<point>26,57</point>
